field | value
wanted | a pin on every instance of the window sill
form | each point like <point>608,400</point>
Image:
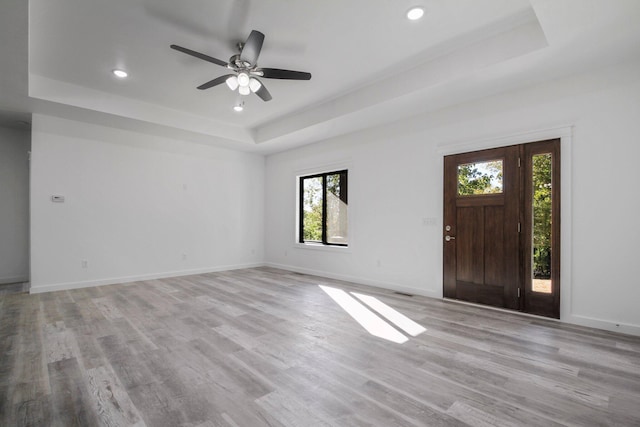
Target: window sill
<point>321,247</point>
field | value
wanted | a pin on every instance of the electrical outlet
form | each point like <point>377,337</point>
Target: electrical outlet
<point>84,263</point>
<point>184,256</point>
<point>378,263</point>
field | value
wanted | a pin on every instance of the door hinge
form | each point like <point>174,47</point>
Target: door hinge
<point>519,228</point>
<point>519,162</point>
<point>518,292</point>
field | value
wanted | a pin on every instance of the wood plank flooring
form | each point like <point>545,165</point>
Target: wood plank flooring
<point>265,347</point>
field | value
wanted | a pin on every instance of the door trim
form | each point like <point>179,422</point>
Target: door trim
<point>565,133</point>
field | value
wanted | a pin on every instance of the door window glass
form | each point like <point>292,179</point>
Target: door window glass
<point>541,214</point>
<point>480,178</point>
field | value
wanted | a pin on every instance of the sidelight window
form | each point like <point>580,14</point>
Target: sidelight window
<point>541,222</point>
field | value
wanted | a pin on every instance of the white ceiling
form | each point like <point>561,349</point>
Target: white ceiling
<point>370,65</point>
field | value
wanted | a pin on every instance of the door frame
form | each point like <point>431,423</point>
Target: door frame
<point>565,134</point>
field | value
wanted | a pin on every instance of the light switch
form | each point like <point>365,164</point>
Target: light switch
<point>57,199</point>
<point>429,222</point>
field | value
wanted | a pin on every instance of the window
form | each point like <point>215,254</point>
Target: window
<point>480,178</point>
<point>323,209</point>
<point>542,224</point>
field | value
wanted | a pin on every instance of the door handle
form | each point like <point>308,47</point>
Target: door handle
<point>449,238</point>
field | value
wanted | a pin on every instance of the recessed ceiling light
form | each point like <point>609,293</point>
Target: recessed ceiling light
<point>238,107</point>
<point>415,13</point>
<point>120,73</point>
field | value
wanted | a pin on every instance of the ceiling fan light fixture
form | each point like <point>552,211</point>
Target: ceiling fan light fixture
<point>415,13</point>
<point>232,82</point>
<point>121,74</point>
<point>254,85</point>
<point>243,79</point>
<point>244,90</point>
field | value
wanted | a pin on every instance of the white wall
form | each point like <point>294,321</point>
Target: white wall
<point>134,204</point>
<point>395,180</point>
<point>14,205</point>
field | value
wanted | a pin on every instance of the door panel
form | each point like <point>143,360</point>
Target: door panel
<point>494,268</point>
<point>469,266</point>
<point>481,258</point>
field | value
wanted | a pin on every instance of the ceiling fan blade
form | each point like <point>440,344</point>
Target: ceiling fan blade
<point>263,93</point>
<point>252,47</point>
<point>275,73</point>
<point>215,82</point>
<point>199,55</point>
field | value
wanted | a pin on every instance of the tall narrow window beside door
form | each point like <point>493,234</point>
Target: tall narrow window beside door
<point>541,242</point>
<point>323,209</point>
<point>541,218</point>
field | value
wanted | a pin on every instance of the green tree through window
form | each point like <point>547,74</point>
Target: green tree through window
<point>480,178</point>
<point>542,216</point>
<point>312,209</point>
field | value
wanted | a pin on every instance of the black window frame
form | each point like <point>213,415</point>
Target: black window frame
<point>344,177</point>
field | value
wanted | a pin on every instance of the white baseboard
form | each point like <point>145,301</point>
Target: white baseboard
<point>359,280</point>
<point>607,325</point>
<point>14,279</point>
<point>115,280</point>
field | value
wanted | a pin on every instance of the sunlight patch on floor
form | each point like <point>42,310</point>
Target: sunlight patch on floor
<point>391,314</point>
<point>370,321</point>
<point>365,317</point>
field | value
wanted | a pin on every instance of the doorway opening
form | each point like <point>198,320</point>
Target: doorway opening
<point>15,147</point>
<point>501,237</point>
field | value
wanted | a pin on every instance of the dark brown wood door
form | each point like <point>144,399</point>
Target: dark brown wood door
<point>481,227</point>
<point>502,227</point>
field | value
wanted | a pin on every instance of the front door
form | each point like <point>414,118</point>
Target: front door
<point>481,213</point>
<point>502,227</point>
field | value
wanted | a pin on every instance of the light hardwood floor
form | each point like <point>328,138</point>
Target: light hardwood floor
<point>264,347</point>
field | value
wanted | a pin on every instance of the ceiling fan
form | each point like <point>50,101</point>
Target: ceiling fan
<point>245,68</point>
